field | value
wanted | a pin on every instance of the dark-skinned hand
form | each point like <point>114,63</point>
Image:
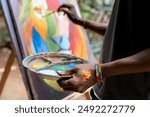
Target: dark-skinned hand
<point>76,82</point>
<point>70,10</point>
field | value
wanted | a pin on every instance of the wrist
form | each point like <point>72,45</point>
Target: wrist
<point>80,22</point>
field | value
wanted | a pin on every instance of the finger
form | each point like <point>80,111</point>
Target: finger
<point>72,85</point>
<point>80,90</point>
<point>70,89</point>
<point>67,72</point>
<point>65,5</point>
<point>67,11</point>
<point>64,83</point>
<point>75,81</point>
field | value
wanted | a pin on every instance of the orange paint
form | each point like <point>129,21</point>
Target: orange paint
<point>78,43</point>
<point>40,25</point>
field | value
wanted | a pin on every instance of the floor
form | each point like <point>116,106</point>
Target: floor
<point>14,88</point>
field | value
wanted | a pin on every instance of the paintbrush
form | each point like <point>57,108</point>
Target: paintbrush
<point>49,13</point>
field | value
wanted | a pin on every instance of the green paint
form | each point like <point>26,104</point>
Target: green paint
<point>61,67</point>
<point>52,26</point>
<point>51,32</point>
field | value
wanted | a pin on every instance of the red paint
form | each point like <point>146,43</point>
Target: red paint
<point>54,60</point>
<point>53,4</point>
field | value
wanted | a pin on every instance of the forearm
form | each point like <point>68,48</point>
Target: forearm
<point>99,28</point>
<point>137,63</point>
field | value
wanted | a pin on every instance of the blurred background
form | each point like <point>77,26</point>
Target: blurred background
<point>96,10</point>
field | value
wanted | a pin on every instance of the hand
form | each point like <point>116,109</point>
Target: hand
<point>69,9</point>
<point>82,77</point>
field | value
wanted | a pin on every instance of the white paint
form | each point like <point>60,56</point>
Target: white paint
<point>41,4</point>
<point>49,72</point>
<point>59,15</point>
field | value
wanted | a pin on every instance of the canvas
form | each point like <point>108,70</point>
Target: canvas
<point>51,33</point>
<point>40,28</point>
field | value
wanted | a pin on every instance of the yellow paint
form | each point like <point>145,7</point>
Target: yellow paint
<point>38,65</point>
<point>53,84</point>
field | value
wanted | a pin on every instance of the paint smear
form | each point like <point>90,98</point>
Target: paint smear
<point>63,67</point>
<point>49,72</point>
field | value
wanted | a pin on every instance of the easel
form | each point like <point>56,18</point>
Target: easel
<point>9,62</point>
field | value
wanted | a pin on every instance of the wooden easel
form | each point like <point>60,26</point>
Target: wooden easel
<point>8,65</point>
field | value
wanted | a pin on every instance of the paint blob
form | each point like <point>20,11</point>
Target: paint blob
<point>49,72</point>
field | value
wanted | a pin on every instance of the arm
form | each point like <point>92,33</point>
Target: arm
<point>99,28</point>
<point>137,63</point>
<point>69,9</point>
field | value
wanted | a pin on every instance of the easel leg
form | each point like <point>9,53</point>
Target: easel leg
<point>7,70</point>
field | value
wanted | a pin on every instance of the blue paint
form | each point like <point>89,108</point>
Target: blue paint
<point>71,65</point>
<point>62,1</point>
<point>39,44</point>
<point>58,67</point>
<point>62,42</point>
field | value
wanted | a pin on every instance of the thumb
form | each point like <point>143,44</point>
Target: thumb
<point>63,81</point>
<point>67,72</point>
